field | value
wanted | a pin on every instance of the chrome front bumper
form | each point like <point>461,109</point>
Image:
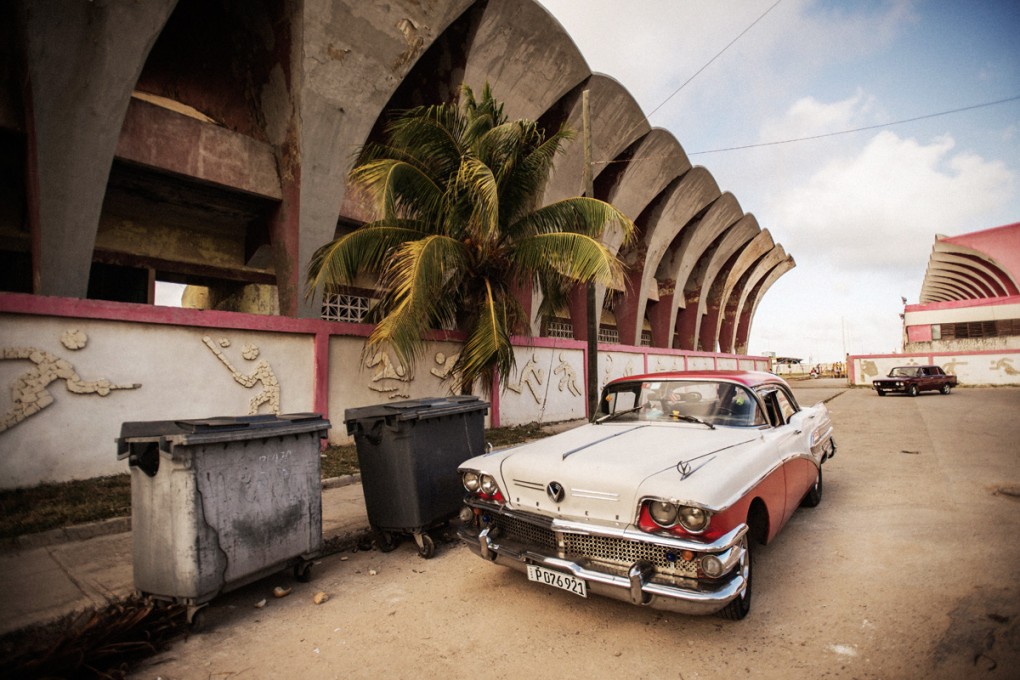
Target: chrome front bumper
<point>637,587</point>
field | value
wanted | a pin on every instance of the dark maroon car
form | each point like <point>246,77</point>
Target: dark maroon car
<point>912,380</point>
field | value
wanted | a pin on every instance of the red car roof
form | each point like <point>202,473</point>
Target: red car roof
<point>748,378</point>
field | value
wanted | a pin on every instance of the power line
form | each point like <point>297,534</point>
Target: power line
<point>860,129</point>
<point>821,136</point>
<point>709,62</point>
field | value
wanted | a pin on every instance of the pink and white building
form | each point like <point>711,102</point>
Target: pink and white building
<point>968,316</point>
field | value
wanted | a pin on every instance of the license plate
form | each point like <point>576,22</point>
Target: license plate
<point>558,579</point>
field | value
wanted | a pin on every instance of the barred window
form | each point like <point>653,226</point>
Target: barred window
<point>646,338</point>
<point>609,335</point>
<point>559,328</point>
<point>345,307</point>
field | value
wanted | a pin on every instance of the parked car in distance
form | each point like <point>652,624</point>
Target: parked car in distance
<point>658,499</point>
<point>912,380</point>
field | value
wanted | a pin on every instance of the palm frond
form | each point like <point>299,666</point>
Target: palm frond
<point>433,136</point>
<point>365,249</point>
<point>399,189</point>
<point>576,256</point>
<point>581,215</point>
<point>488,347</point>
<point>481,193</point>
<point>417,277</point>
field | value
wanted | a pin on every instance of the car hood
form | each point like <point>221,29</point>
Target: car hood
<point>606,469</point>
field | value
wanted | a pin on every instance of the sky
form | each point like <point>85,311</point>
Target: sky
<point>859,212</point>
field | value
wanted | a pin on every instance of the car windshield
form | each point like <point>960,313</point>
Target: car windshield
<point>904,372</point>
<point>713,402</point>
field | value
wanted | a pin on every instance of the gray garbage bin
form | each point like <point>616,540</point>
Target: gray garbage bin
<point>408,452</point>
<point>221,502</point>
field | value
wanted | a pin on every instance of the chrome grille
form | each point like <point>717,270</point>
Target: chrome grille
<point>616,552</point>
<point>619,551</point>
<point>525,532</point>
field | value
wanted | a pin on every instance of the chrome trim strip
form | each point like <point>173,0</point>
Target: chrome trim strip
<point>595,495</point>
<point>604,439</point>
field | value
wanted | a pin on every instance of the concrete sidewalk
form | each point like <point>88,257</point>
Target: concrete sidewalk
<point>42,584</point>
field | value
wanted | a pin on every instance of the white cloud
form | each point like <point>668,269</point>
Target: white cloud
<point>809,117</point>
<point>881,207</point>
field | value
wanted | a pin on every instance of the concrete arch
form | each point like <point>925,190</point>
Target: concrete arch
<point>704,237</point>
<point>737,281</point>
<point>526,56</point>
<point>683,202</point>
<point>745,297</point>
<point>354,57</point>
<point>949,264</point>
<point>273,150</point>
<point>744,329</point>
<point>616,123</point>
<point>715,271</point>
<point>969,277</point>
<point>963,286</point>
<point>82,62</point>
<point>656,160</point>
<point>976,274</point>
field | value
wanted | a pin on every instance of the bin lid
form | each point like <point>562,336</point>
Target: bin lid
<point>415,409</point>
<point>221,428</point>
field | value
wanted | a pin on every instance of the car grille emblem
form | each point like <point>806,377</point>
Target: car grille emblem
<point>555,491</point>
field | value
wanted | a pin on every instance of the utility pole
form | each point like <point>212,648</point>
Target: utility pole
<point>593,315</point>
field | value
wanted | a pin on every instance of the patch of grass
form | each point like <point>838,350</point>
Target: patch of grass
<point>51,506</point>
<point>339,460</point>
<point>500,437</point>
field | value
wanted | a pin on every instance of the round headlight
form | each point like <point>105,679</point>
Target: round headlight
<point>693,519</point>
<point>471,481</point>
<point>489,485</point>
<point>712,566</point>
<point>663,513</point>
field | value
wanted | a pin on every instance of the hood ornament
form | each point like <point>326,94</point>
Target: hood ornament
<point>555,491</point>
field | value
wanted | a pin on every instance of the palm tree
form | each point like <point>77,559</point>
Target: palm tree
<point>460,231</point>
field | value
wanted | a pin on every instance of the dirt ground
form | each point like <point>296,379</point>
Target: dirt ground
<point>909,568</point>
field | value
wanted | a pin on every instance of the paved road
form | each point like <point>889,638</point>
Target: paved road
<point>910,568</point>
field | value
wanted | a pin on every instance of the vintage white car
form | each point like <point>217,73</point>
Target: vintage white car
<point>657,500</point>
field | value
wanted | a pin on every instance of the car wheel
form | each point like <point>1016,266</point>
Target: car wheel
<point>945,388</point>
<point>814,495</point>
<point>881,393</point>
<point>912,390</point>
<point>740,605</point>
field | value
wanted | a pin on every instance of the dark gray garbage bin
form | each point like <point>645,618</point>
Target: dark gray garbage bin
<point>408,452</point>
<point>221,502</point>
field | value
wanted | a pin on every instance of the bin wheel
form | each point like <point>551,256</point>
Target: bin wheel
<point>196,617</point>
<point>426,546</point>
<point>386,541</point>
<point>303,572</point>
